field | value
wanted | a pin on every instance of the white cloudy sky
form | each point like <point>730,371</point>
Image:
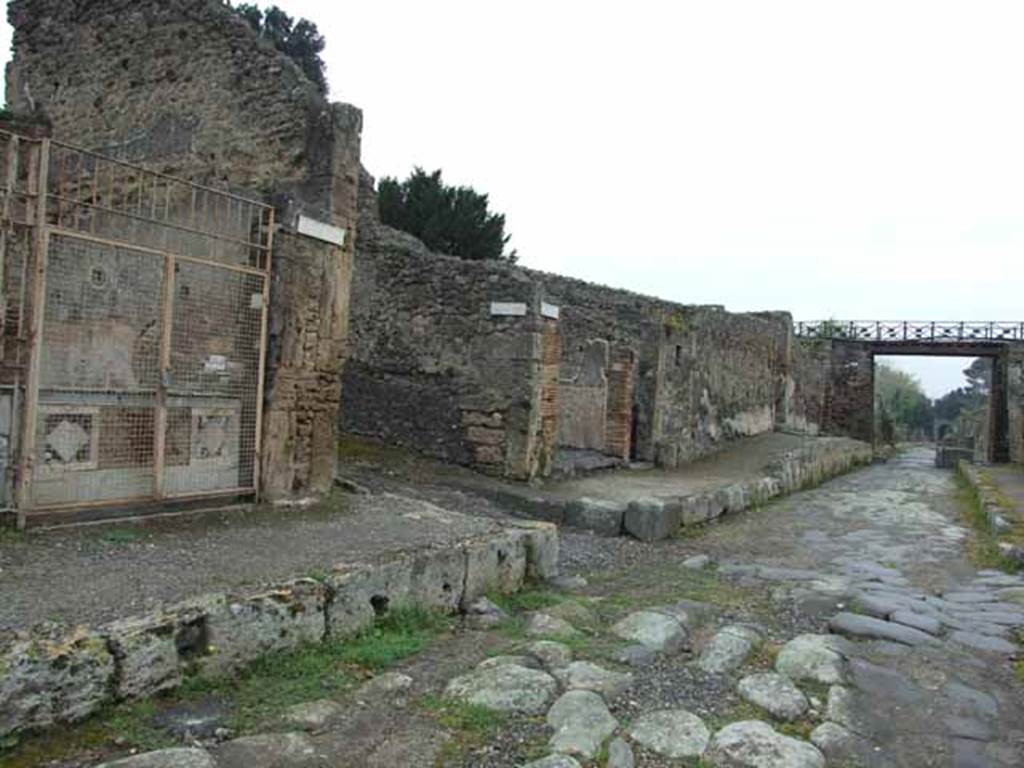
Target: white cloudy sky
<point>850,160</point>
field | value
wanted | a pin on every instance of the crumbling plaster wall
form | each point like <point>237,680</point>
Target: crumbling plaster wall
<point>186,88</point>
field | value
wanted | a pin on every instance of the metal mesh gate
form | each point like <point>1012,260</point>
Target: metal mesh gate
<point>147,335</point>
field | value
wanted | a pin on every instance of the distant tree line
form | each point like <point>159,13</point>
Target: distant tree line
<point>904,412</point>
<point>298,39</point>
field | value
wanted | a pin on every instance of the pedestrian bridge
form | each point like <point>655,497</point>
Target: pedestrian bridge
<point>918,337</point>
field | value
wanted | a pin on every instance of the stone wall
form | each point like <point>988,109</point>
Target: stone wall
<point>53,677</point>
<point>850,396</point>
<point>806,386</point>
<point>187,88</point>
<point>433,368</point>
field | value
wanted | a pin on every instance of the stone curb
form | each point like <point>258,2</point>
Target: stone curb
<point>51,676</point>
<point>990,505</point>
<point>655,519</point>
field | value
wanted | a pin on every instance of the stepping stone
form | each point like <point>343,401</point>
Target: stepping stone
<point>503,661</point>
<point>972,701</point>
<point>654,630</point>
<point>386,684</point>
<point>268,750</point>
<point>671,733</point>
<point>774,693</point>
<point>313,715</point>
<point>507,688</point>
<point>697,562</point>
<point>842,747</point>
<point>855,625</point>
<point>840,707</point>
<point>994,617</point>
<point>967,728</point>
<point>877,606</point>
<point>637,656</point>
<point>554,761</point>
<point>569,583</point>
<point>728,649</point>
<point>917,621</point>
<point>755,744</point>
<point>582,722</point>
<point>620,755</point>
<point>831,737</point>
<point>551,654</point>
<point>484,614</point>
<point>984,643</point>
<point>583,675</point>
<point>970,597</point>
<point>812,657</point>
<point>166,758</point>
<point>543,625</point>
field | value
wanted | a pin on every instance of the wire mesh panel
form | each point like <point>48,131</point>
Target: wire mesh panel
<point>212,381</point>
<point>146,379</point>
<point>98,373</point>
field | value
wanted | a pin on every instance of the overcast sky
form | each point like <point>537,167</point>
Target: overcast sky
<point>850,160</point>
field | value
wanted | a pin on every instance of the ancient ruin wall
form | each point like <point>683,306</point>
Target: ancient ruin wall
<point>187,88</point>
<point>433,369</point>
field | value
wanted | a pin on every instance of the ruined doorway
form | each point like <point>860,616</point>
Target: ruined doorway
<point>148,320</point>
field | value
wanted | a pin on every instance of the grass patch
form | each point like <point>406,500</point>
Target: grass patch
<point>1019,668</point>
<point>471,726</point>
<point>121,535</point>
<point>398,635</point>
<point>531,599</point>
<point>983,546</point>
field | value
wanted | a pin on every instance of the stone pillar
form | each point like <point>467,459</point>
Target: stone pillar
<point>999,410</point>
<point>850,397</point>
<point>309,320</point>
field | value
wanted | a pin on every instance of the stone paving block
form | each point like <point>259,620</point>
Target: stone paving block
<point>652,519</point>
<point>855,625</point>
<point>917,621</point>
<point>602,517</point>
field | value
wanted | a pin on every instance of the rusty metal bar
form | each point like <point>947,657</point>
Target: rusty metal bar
<point>164,372</point>
<point>27,460</point>
<point>262,372</point>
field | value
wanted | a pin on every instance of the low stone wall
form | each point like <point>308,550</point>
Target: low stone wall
<point>51,676</point>
<point>988,499</point>
<point>651,519</point>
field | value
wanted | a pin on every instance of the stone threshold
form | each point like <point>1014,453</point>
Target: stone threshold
<point>52,676</point>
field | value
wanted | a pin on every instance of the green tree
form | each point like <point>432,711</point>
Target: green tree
<point>452,220</point>
<point>900,397</point>
<point>300,40</point>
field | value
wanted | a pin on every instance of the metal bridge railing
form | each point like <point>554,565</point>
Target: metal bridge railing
<point>911,330</point>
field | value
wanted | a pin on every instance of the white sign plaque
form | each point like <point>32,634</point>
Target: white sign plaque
<point>319,230</point>
<point>508,309</point>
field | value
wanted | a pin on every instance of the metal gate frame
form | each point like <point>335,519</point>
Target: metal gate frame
<point>63,196</point>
